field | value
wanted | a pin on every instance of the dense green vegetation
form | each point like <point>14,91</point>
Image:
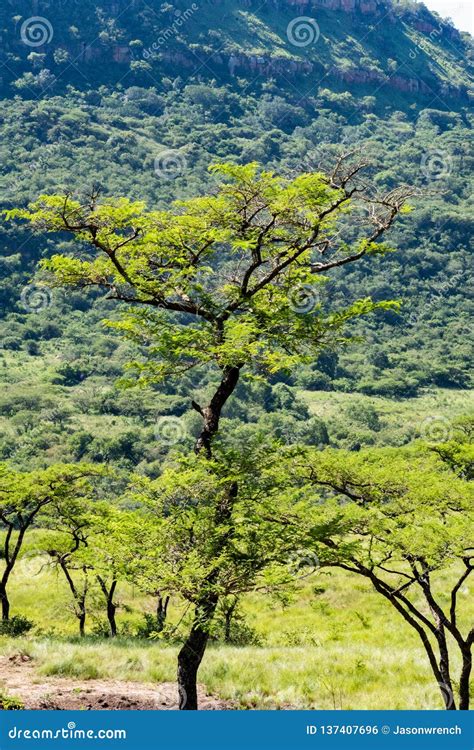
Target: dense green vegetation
<point>428,273</point>
<point>345,418</point>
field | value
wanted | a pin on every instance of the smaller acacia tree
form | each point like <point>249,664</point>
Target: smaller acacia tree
<point>212,547</point>
<point>133,542</point>
<point>107,556</point>
<point>70,554</point>
<point>79,549</point>
<point>23,497</point>
<point>404,522</point>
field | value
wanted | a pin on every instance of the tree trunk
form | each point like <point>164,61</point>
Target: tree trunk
<point>446,687</point>
<point>192,652</point>
<point>440,669</point>
<point>111,606</point>
<point>211,414</point>
<point>465,677</point>
<point>228,615</point>
<point>5,602</point>
<point>161,611</point>
<point>111,610</point>
<point>79,597</point>
<point>82,623</point>
<point>10,558</point>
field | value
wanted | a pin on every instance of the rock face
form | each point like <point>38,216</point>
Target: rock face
<point>347,6</point>
<point>273,66</point>
<point>177,50</point>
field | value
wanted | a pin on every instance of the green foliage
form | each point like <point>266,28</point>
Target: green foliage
<point>214,279</point>
<point>458,451</point>
<point>231,626</point>
<point>151,629</point>
<point>16,627</point>
<point>407,504</point>
<point>433,291</point>
<point>9,703</point>
<point>197,548</point>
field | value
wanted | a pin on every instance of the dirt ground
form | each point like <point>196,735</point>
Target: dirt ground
<point>19,679</point>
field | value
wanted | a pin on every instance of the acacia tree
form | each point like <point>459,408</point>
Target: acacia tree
<point>215,282</point>
<point>23,497</point>
<point>76,572</point>
<point>80,551</point>
<point>107,556</point>
<point>458,451</point>
<point>199,549</point>
<point>404,522</point>
<point>133,542</point>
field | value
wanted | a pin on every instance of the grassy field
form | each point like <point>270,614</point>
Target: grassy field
<point>334,646</point>
<point>401,420</point>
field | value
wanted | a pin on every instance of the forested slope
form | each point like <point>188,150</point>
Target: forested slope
<point>122,96</point>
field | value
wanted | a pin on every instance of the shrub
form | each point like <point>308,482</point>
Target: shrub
<point>149,628</point>
<point>101,628</point>
<point>231,627</point>
<point>12,342</point>
<point>364,414</point>
<point>7,703</point>
<point>242,634</point>
<point>313,380</point>
<point>70,374</point>
<point>16,626</point>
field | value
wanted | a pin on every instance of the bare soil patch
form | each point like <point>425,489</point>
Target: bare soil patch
<point>19,678</point>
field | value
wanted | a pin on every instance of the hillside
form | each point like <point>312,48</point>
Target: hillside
<point>364,44</point>
<point>98,104</point>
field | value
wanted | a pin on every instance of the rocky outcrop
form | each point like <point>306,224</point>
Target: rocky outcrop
<point>267,65</point>
<point>242,64</point>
